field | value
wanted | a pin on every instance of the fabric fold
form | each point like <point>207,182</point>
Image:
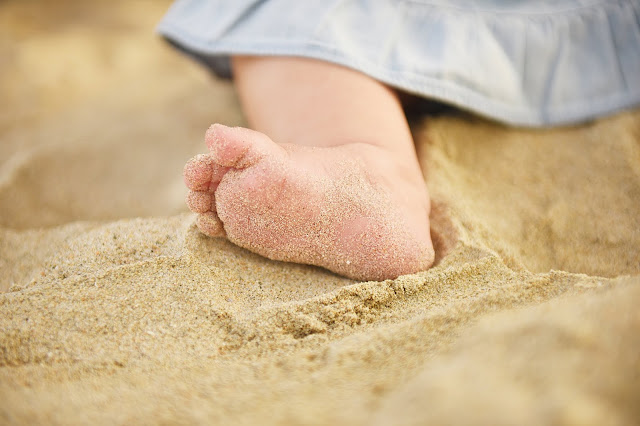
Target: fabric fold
<point>530,63</point>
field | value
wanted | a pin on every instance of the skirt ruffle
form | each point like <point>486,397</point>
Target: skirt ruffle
<point>522,62</point>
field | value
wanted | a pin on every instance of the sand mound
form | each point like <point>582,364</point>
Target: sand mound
<point>117,310</point>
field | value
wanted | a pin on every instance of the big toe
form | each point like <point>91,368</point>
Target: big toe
<point>238,147</point>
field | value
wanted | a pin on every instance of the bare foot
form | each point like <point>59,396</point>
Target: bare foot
<point>351,208</point>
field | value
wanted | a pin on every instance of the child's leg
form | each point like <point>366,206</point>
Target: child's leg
<point>340,187</point>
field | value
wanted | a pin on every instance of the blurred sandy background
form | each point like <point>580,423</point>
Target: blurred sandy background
<point>114,309</point>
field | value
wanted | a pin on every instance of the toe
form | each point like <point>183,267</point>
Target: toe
<point>198,172</point>
<point>209,223</point>
<point>238,147</point>
<point>216,176</point>
<point>200,201</point>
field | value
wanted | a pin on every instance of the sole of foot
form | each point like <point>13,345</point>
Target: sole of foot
<point>348,208</point>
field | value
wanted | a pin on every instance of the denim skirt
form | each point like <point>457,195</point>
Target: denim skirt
<point>522,62</point>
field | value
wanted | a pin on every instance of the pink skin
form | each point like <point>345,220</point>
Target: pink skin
<point>340,187</point>
<point>318,206</point>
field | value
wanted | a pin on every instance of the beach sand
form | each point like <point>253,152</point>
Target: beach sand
<point>116,310</point>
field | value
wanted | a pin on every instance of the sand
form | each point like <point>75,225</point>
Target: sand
<point>116,310</point>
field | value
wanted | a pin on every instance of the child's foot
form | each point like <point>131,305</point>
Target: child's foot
<point>352,209</point>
